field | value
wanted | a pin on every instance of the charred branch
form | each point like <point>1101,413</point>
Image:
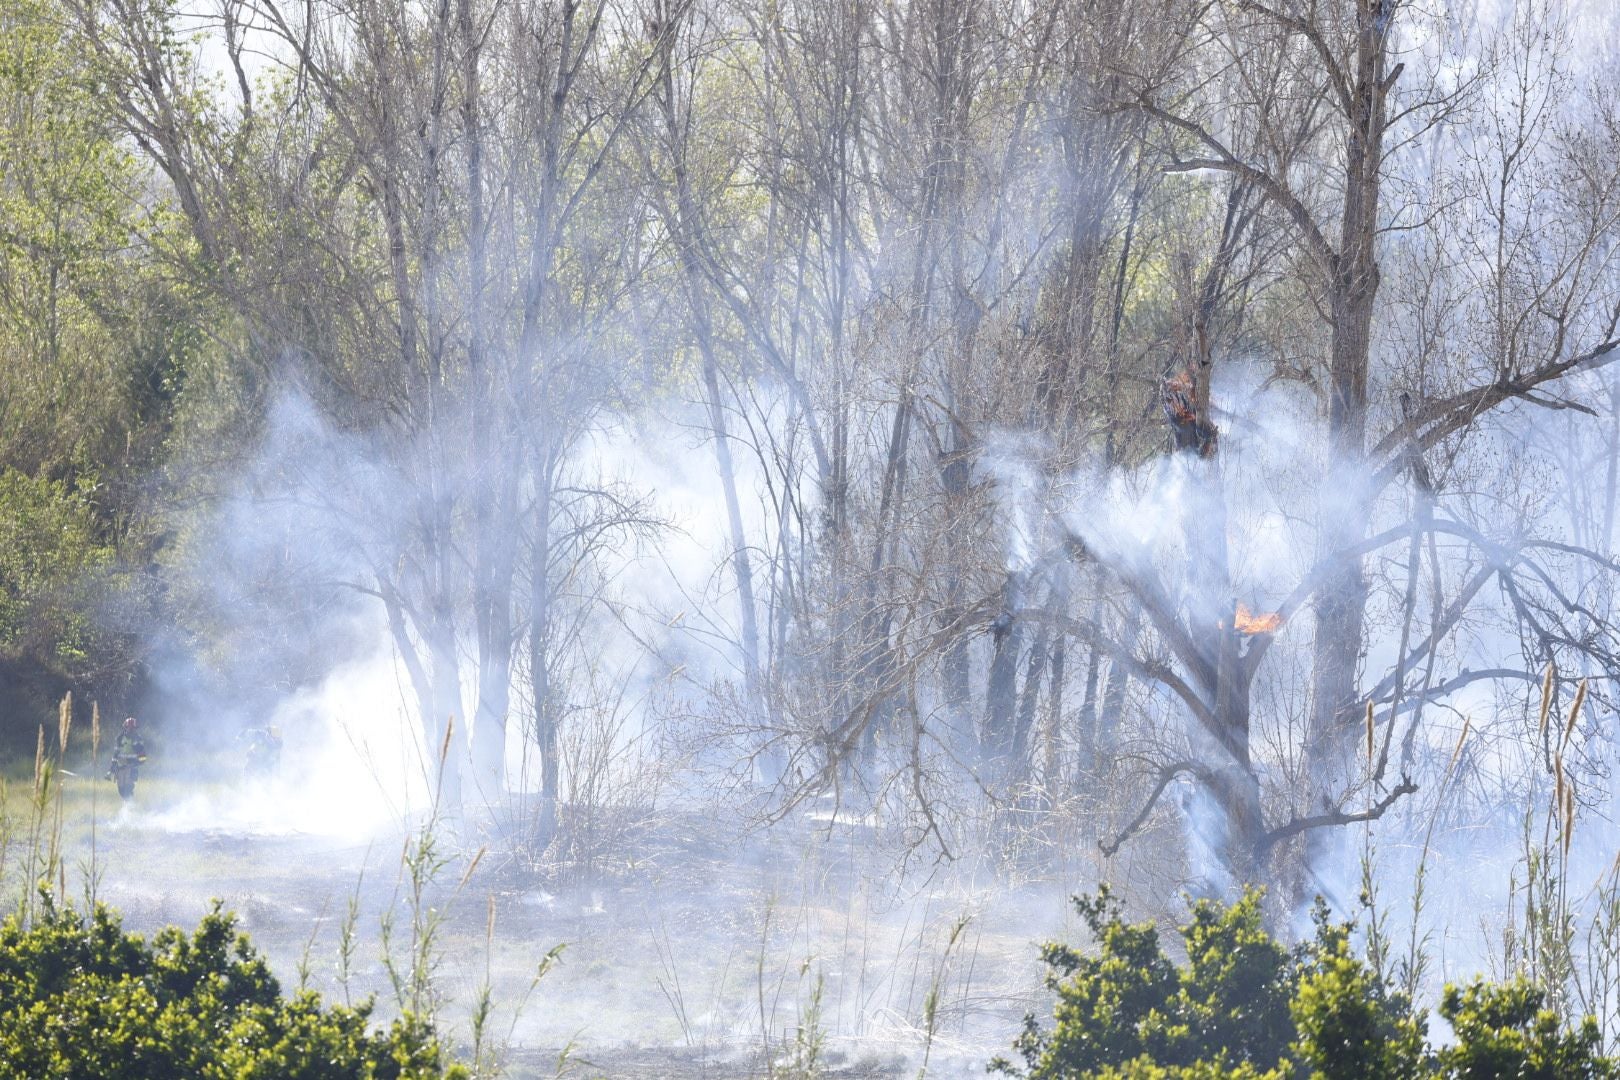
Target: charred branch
<point>1188,429</point>
<point>1337,817</point>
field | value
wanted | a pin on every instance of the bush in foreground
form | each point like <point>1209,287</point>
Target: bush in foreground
<point>1244,1007</point>
<point>81,998</point>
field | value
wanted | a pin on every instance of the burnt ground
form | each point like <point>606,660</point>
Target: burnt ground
<point>685,1063</point>
<point>678,950</point>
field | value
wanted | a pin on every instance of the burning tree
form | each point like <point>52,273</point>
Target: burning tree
<point>1213,648</point>
<point>930,356</point>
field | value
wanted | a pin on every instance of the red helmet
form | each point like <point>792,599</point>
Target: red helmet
<point>129,723</point>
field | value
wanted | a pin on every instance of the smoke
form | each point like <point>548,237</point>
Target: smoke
<point>719,941</point>
<point>1446,864</point>
<point>1009,460</point>
<point>281,582</point>
<point>1208,838</point>
<point>351,767</point>
<point>305,596</point>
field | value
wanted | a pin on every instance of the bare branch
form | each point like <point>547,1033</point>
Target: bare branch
<point>1438,419</point>
<point>1166,775</point>
<point>1226,161</point>
<point>1313,35</point>
<point>1336,817</point>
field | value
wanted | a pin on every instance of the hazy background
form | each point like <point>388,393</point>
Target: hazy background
<point>780,482</point>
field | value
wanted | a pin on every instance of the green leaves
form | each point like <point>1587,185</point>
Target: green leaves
<point>1243,1007</point>
<point>1349,1025</point>
<point>1236,985</point>
<point>98,339</point>
<point>47,550</point>
<point>1130,1001</point>
<point>81,998</point>
<point>1505,1031</point>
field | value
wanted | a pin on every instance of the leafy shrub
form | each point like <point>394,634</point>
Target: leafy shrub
<point>1244,1007</point>
<point>81,998</point>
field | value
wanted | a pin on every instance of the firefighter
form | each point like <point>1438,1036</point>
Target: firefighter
<point>128,754</point>
<point>263,750</point>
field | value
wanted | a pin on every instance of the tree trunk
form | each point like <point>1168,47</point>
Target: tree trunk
<point>687,230</point>
<point>540,631</point>
<point>1342,600</point>
<point>1001,684</point>
<point>494,493</point>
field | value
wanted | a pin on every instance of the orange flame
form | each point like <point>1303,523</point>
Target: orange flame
<point>1250,623</point>
<point>1178,398</point>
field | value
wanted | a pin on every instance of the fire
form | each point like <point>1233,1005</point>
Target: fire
<point>1179,398</point>
<point>1250,623</point>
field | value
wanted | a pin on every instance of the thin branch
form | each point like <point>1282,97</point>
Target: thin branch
<point>1438,419</point>
<point>1312,34</point>
<point>1088,631</point>
<point>1226,161</point>
<point>1335,817</point>
<point>1166,774</point>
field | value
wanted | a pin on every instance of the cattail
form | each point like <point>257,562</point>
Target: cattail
<point>1575,710</point>
<point>1546,697</point>
<point>444,750</point>
<point>95,728</point>
<point>1457,750</point>
<point>1569,815</point>
<point>476,859</point>
<point>64,722</point>
<point>1369,733</point>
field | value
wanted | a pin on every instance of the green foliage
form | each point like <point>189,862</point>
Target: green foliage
<point>69,279</point>
<point>1243,1007</point>
<point>79,997</point>
<point>96,341</point>
<point>47,547</point>
<point>1505,1031</point>
<point>1350,1022</point>
<point>1144,1069</point>
<point>1131,1001</point>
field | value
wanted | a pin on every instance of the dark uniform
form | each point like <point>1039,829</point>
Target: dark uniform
<point>263,751</point>
<point>128,753</point>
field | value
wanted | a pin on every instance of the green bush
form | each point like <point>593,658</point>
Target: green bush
<point>82,999</point>
<point>1244,1007</point>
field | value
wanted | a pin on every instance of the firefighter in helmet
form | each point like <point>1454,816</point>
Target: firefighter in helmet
<point>128,754</point>
<point>263,750</point>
